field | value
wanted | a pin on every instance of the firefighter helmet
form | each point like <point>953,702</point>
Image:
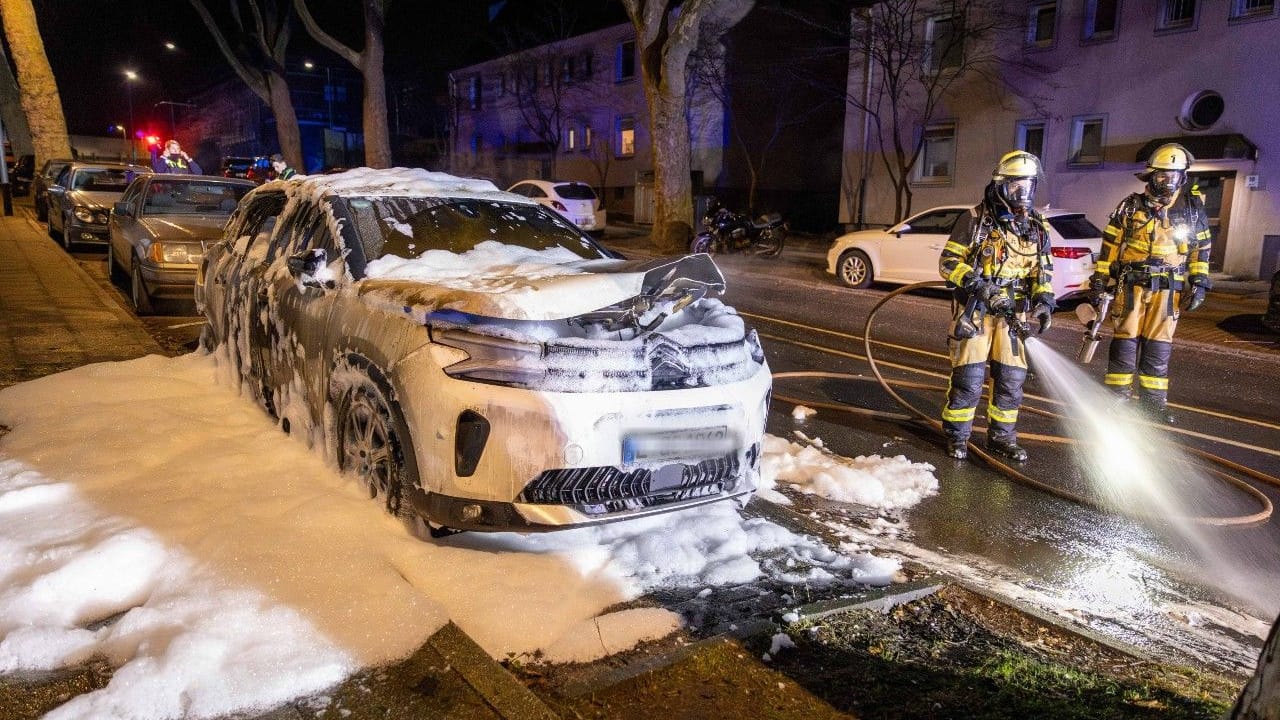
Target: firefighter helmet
<point>1170,156</point>
<point>1016,177</point>
<point>1166,170</point>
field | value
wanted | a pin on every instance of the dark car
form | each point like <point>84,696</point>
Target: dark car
<point>42,181</point>
<point>158,230</point>
<point>81,198</point>
<point>246,168</point>
<point>20,175</point>
<point>1272,317</point>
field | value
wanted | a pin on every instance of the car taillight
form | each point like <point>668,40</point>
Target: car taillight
<point>1072,253</point>
<point>558,206</point>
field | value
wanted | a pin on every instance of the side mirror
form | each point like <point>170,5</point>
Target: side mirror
<point>122,209</point>
<point>902,229</point>
<point>307,267</point>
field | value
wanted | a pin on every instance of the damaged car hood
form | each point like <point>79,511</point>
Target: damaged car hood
<point>581,288</point>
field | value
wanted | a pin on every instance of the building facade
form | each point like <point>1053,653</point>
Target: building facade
<point>1114,80</point>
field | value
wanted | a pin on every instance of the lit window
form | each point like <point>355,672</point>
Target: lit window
<point>1040,25</point>
<point>586,137</point>
<point>1101,19</point>
<point>625,63</point>
<point>1031,137</point>
<point>1087,138</point>
<point>1242,9</point>
<point>945,43</point>
<point>626,136</point>
<point>937,157</point>
<point>571,139</point>
<point>1177,15</point>
<point>474,92</point>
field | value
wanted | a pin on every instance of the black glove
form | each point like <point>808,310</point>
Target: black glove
<point>1098,283</point>
<point>1193,296</point>
<point>984,290</point>
<point>1042,307</point>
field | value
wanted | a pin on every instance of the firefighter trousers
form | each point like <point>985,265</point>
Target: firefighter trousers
<point>1145,321</point>
<point>969,359</point>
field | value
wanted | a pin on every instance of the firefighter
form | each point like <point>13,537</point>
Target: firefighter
<point>1155,257</point>
<point>999,265</point>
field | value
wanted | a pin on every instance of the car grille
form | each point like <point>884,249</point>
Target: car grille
<point>599,490</point>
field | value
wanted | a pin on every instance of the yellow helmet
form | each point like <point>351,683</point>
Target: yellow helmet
<point>1170,156</point>
<point>1016,164</point>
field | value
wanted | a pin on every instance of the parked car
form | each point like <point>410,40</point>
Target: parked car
<point>20,175</point>
<point>574,200</point>
<point>158,230</point>
<point>478,361</point>
<point>246,168</point>
<point>908,252</point>
<point>81,197</point>
<point>42,181</point>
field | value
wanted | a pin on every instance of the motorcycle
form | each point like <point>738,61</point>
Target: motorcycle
<point>726,231</point>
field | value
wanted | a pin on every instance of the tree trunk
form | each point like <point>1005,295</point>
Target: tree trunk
<point>1260,699</point>
<point>673,191</point>
<point>36,86</point>
<point>287,133</point>
<point>377,136</point>
<point>15,121</point>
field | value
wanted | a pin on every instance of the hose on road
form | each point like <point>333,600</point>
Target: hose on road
<point>1214,464</point>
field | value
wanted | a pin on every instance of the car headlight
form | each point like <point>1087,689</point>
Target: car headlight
<point>176,253</point>
<point>493,359</point>
<point>83,214</point>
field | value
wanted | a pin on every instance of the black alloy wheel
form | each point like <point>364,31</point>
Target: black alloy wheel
<point>371,446</point>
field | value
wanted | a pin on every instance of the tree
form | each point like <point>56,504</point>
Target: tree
<point>665,39</point>
<point>16,130</point>
<point>1260,698</point>
<point>377,138</point>
<point>257,54</point>
<point>37,89</point>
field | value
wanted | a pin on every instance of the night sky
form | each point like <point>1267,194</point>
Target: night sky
<point>91,43</point>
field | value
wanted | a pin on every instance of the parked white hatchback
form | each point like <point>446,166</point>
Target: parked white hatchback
<point>908,252</point>
<point>574,200</point>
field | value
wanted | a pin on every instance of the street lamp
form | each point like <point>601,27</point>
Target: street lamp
<point>124,138</point>
<point>130,78</point>
<point>173,126</point>
<point>328,87</point>
<point>169,45</point>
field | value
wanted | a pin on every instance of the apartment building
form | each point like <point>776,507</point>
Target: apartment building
<point>1116,78</point>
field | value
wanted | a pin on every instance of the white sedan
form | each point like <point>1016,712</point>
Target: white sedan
<point>908,252</point>
<point>576,201</point>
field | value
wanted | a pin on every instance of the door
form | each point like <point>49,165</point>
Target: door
<point>1217,189</point>
<point>910,254</point>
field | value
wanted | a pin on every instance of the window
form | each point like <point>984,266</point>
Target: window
<point>1176,15</point>
<point>1087,136</point>
<point>1101,18</point>
<point>1031,137</point>
<point>938,222</point>
<point>477,143</point>
<point>568,72</point>
<point>626,136</point>
<point>625,63</point>
<point>474,92</point>
<point>586,137</point>
<point>1201,110</point>
<point>1248,9</point>
<point>1040,25</point>
<point>945,43</point>
<point>549,72</point>
<point>571,139</point>
<point>937,157</point>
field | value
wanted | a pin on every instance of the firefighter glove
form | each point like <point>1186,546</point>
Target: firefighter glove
<point>1042,311</point>
<point>1193,297</point>
<point>1098,283</point>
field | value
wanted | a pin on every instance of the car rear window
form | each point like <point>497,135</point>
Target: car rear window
<point>1075,227</point>
<point>409,227</point>
<point>192,197</point>
<point>102,180</point>
<point>575,191</point>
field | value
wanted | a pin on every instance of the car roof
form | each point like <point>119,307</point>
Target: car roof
<point>1045,211</point>
<point>202,178</point>
<point>108,166</point>
<point>392,182</point>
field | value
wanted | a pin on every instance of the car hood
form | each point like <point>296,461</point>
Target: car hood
<point>579,288</point>
<point>193,228</point>
<point>94,199</point>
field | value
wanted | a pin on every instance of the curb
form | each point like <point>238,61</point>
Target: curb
<point>508,697</point>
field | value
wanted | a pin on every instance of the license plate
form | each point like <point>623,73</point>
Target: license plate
<point>678,444</point>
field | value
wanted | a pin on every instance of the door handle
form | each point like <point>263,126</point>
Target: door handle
<point>935,247</point>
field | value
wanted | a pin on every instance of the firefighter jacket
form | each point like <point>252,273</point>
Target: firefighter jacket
<point>1146,243</point>
<point>994,248</point>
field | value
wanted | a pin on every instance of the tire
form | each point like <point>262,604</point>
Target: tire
<point>771,242</point>
<point>42,211</point>
<point>373,444</point>
<point>854,269</point>
<point>115,274</point>
<point>138,291</point>
<point>702,243</point>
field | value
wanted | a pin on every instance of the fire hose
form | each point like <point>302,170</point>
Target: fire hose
<point>918,417</point>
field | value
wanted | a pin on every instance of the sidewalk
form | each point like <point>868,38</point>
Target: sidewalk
<point>1229,319</point>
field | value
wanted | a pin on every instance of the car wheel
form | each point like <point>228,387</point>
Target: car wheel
<point>138,291</point>
<point>372,445</point>
<point>42,212</point>
<point>115,274</point>
<point>854,269</point>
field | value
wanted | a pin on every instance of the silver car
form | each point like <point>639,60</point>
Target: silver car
<point>158,230</point>
<point>476,360</point>
<point>80,200</point>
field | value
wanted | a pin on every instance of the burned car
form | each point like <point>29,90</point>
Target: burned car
<point>476,360</point>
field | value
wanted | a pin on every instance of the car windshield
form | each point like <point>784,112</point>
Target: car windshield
<point>192,197</point>
<point>409,227</point>
<point>1075,227</point>
<point>101,179</point>
<point>575,191</point>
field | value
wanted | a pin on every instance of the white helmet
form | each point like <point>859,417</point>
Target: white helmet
<point>1016,177</point>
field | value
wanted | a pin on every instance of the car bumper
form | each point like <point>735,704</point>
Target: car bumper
<point>1071,276</point>
<point>78,232</point>
<point>557,460</point>
<point>171,281</point>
